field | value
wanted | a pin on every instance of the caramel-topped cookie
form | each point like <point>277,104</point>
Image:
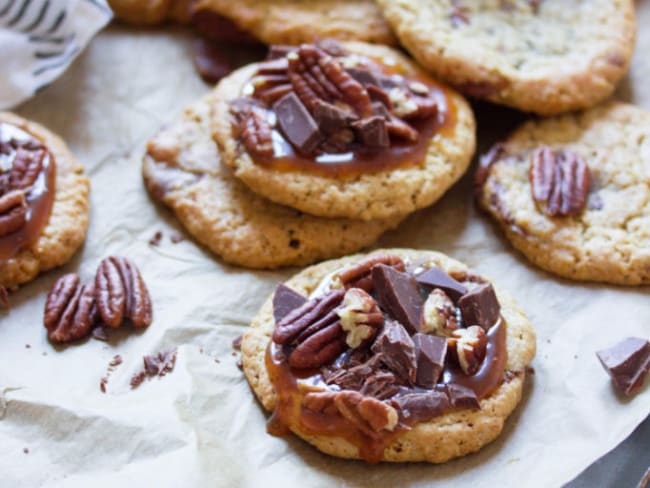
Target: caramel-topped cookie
<point>543,56</point>
<point>182,169</point>
<point>398,355</point>
<point>571,193</point>
<point>43,201</point>
<point>354,131</point>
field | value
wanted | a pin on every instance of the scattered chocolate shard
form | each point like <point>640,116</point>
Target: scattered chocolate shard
<point>628,363</point>
<point>297,124</point>
<point>372,132</point>
<point>461,397</point>
<point>435,277</point>
<point>480,307</point>
<point>397,351</point>
<point>331,118</point>
<point>430,354</point>
<point>363,76</point>
<point>285,300</point>
<point>399,295</point>
<point>420,407</point>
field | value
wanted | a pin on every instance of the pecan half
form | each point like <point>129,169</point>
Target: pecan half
<point>368,414</point>
<point>70,311</point>
<point>316,75</point>
<point>13,212</point>
<point>121,294</point>
<point>26,167</point>
<point>359,275</point>
<point>255,132</point>
<point>560,182</point>
<point>468,347</point>
<point>360,317</point>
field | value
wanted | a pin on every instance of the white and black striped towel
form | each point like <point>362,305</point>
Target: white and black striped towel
<point>39,39</point>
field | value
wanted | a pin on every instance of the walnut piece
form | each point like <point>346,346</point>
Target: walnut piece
<point>559,181</point>
<point>468,346</point>
<point>439,314</point>
<point>360,317</point>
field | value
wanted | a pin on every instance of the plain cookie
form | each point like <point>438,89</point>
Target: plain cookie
<point>540,56</point>
<point>438,440</point>
<point>608,241</point>
<point>182,170</point>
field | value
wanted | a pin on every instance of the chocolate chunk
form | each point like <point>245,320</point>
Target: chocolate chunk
<point>398,294</point>
<point>397,350</point>
<point>210,60</point>
<point>354,377</point>
<point>381,385</point>
<point>297,124</point>
<point>461,397</point>
<point>430,353</point>
<point>628,363</point>
<point>363,76</point>
<point>420,407</point>
<point>480,307</point>
<point>372,132</point>
<point>331,118</point>
<point>434,277</point>
<point>285,300</point>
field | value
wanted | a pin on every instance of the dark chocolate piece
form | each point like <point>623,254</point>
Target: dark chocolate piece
<point>210,60</point>
<point>461,397</point>
<point>277,51</point>
<point>353,378</point>
<point>420,407</point>
<point>363,76</point>
<point>430,353</point>
<point>480,307</point>
<point>331,118</point>
<point>372,131</point>
<point>285,300</point>
<point>297,124</point>
<point>434,277</point>
<point>628,363</point>
<point>381,385</point>
<point>397,350</point>
<point>398,294</point>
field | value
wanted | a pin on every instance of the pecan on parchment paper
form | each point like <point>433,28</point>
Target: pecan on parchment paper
<point>70,311</point>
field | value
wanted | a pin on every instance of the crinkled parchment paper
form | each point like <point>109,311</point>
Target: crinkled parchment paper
<point>200,425</point>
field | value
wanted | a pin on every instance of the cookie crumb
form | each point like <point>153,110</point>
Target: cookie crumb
<point>25,450</point>
<point>155,240</point>
<point>236,343</point>
<point>176,238</point>
<point>28,346</point>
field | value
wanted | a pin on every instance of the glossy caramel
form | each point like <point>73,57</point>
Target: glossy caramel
<point>39,199</point>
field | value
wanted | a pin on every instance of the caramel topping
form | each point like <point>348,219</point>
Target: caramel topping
<point>39,195</point>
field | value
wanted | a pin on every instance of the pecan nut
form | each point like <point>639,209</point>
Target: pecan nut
<point>26,166</point>
<point>360,317</point>
<point>439,314</point>
<point>468,347</point>
<point>255,131</point>
<point>315,75</point>
<point>120,293</point>
<point>13,212</point>
<point>560,182</point>
<point>359,275</point>
<point>70,311</point>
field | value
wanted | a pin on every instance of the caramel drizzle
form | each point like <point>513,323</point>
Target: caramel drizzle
<point>401,154</point>
<point>291,387</point>
<point>40,198</point>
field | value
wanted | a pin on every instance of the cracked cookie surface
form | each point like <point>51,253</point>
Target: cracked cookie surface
<point>543,56</point>
<point>66,227</point>
<point>438,440</point>
<point>607,242</point>
<point>182,170</point>
<point>382,194</point>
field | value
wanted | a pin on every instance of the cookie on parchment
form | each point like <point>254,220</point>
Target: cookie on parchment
<point>348,130</point>
<point>384,379</point>
<point>182,170</point>
<point>545,56</point>
<point>43,201</point>
<point>296,21</point>
<point>571,193</point>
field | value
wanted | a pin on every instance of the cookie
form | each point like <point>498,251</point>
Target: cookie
<point>182,170</point>
<point>297,21</point>
<point>592,228</point>
<point>372,417</point>
<point>371,152</point>
<point>150,12</point>
<point>538,56</point>
<point>43,201</point>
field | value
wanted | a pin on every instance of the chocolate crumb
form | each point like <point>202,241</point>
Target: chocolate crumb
<point>137,379</point>
<point>233,353</point>
<point>102,384</point>
<point>240,365</point>
<point>236,343</point>
<point>155,240</point>
<point>217,361</point>
<point>100,333</point>
<point>116,361</point>
<point>176,238</point>
<point>28,346</point>
<point>25,450</point>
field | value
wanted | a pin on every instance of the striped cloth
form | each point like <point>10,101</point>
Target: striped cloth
<point>40,38</point>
